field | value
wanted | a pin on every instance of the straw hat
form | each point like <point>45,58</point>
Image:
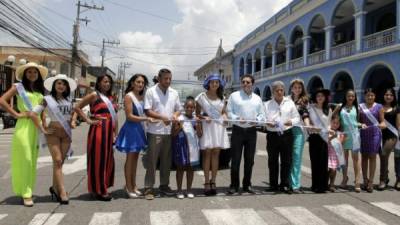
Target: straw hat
<point>21,69</point>
<point>48,83</point>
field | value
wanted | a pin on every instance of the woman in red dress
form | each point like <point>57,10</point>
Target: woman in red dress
<point>102,133</point>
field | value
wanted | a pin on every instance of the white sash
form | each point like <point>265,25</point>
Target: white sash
<point>139,108</point>
<point>394,131</point>
<point>53,107</point>
<point>338,147</point>
<point>110,108</point>
<point>211,110</point>
<point>368,113</point>
<point>319,124</point>
<point>355,133</point>
<point>192,141</point>
<point>21,91</point>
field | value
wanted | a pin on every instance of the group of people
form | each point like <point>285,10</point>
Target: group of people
<point>165,133</point>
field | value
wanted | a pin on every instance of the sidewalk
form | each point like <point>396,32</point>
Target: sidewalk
<point>7,131</point>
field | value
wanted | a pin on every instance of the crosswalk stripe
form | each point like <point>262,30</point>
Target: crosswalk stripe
<point>273,217</point>
<point>233,217</point>
<point>47,219</point>
<point>3,216</point>
<point>165,218</point>
<point>110,218</point>
<point>353,215</point>
<point>299,215</point>
<point>389,207</point>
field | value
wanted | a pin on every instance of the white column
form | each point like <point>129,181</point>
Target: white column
<point>359,29</point>
<point>245,68</point>
<point>328,41</point>
<point>273,61</point>
<point>288,55</point>
<point>262,65</point>
<point>306,49</point>
<point>253,67</point>
<point>398,19</point>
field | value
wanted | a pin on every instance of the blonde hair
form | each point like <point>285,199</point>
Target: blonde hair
<point>303,98</point>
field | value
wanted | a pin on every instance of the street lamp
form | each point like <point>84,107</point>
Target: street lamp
<point>10,60</point>
<point>53,73</point>
<point>22,61</point>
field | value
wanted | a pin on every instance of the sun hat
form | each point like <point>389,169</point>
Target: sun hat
<point>48,83</point>
<point>19,73</point>
<point>213,77</point>
<point>325,92</point>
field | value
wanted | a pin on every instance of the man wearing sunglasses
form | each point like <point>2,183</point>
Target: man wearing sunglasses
<point>246,108</point>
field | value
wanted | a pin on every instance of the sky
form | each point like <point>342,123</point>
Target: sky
<point>181,35</point>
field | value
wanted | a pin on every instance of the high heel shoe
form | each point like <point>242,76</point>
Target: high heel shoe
<point>57,197</point>
<point>207,189</point>
<point>343,185</point>
<point>104,198</point>
<point>397,185</point>
<point>133,194</point>
<point>370,187</point>
<point>28,202</point>
<point>357,188</point>
<point>213,188</point>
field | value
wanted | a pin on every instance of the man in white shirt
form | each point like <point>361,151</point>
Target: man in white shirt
<point>244,105</point>
<point>282,115</point>
<point>161,103</point>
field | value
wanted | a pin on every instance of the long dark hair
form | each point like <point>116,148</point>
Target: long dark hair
<point>344,101</point>
<point>133,79</point>
<point>394,102</point>
<point>37,86</point>
<point>220,90</point>
<point>99,79</point>
<point>303,98</point>
<point>65,94</point>
<point>325,105</point>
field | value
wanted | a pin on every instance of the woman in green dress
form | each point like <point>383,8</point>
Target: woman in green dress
<point>25,146</point>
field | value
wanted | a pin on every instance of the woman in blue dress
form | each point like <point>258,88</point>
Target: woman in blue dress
<point>132,139</point>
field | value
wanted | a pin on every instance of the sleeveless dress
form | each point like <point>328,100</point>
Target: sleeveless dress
<point>100,154</point>
<point>371,137</point>
<point>214,133</point>
<point>345,124</point>
<point>131,137</point>
<point>25,150</point>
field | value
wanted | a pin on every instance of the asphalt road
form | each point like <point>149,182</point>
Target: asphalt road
<point>341,207</point>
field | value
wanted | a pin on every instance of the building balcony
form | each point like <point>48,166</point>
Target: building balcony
<point>344,50</point>
<point>316,57</point>
<point>380,39</point>
<point>296,63</point>
<point>267,72</point>
<point>280,68</point>
<point>257,75</point>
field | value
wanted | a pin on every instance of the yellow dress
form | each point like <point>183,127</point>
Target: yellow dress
<point>25,150</point>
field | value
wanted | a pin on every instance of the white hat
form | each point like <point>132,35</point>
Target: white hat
<point>21,69</point>
<point>48,83</point>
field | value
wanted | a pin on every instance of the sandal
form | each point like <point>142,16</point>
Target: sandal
<point>370,187</point>
<point>207,189</point>
<point>397,185</point>
<point>343,185</point>
<point>213,188</point>
<point>28,202</point>
<point>357,188</point>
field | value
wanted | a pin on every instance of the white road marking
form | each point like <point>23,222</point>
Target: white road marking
<point>353,215</point>
<point>299,215</point>
<point>47,219</point>
<point>261,152</point>
<point>233,217</point>
<point>200,173</point>
<point>165,218</point>
<point>3,216</point>
<point>110,218</point>
<point>273,218</point>
<point>389,207</point>
<point>78,163</point>
<point>306,170</point>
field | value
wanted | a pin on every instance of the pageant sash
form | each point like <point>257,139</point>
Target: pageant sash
<point>53,107</point>
<point>368,113</point>
<point>139,108</point>
<point>395,132</point>
<point>110,108</point>
<point>338,147</point>
<point>211,110</point>
<point>354,132</point>
<point>319,124</point>
<point>192,140</point>
<point>22,92</point>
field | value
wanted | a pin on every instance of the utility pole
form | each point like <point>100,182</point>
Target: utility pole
<point>103,50</point>
<point>74,54</point>
<point>123,66</point>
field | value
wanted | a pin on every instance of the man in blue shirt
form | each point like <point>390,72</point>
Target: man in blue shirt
<point>247,109</point>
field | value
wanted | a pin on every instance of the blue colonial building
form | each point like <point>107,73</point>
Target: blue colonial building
<point>336,44</point>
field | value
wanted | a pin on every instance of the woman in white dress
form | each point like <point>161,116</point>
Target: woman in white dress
<point>210,107</point>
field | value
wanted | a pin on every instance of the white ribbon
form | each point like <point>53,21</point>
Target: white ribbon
<point>211,111</point>
<point>139,108</point>
<point>22,92</point>
<point>394,131</point>
<point>110,108</point>
<point>319,124</point>
<point>338,147</point>
<point>53,107</point>
<point>370,117</point>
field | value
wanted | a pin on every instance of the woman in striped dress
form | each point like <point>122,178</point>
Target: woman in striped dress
<point>102,133</point>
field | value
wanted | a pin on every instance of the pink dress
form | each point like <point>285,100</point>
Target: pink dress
<point>333,162</point>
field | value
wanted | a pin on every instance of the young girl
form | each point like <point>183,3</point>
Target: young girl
<point>185,147</point>
<point>101,136</point>
<point>132,138</point>
<point>59,138</point>
<point>335,151</point>
<point>24,147</point>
